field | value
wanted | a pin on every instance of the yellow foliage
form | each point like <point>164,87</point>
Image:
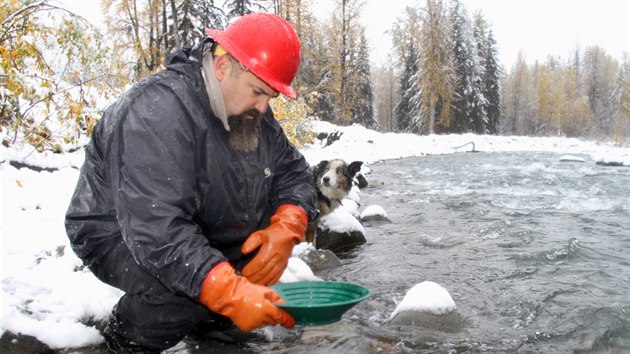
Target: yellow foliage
<point>294,117</point>
<point>51,63</point>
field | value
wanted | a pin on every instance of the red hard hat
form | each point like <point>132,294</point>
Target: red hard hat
<point>267,45</point>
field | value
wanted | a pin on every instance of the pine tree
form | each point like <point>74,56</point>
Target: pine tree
<point>467,98</point>
<point>479,103</point>
<point>622,127</point>
<point>362,104</point>
<point>237,8</point>
<point>405,44</point>
<point>407,111</point>
<point>191,18</point>
<point>492,89</point>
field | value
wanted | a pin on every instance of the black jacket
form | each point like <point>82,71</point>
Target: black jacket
<point>160,175</point>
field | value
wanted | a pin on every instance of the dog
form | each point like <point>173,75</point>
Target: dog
<point>333,181</point>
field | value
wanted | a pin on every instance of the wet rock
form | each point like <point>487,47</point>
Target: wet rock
<point>376,219</point>
<point>571,158</point>
<point>339,232</point>
<point>20,343</point>
<point>428,305</point>
<point>338,242</point>
<point>374,213</point>
<point>361,180</point>
<point>320,259</point>
<point>449,322</point>
<point>610,163</point>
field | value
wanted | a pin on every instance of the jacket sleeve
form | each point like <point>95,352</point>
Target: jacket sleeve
<point>294,182</point>
<point>153,169</point>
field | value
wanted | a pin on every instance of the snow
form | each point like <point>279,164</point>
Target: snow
<point>298,270</point>
<point>48,294</point>
<point>571,158</point>
<point>340,220</point>
<point>426,297</point>
<point>373,210</point>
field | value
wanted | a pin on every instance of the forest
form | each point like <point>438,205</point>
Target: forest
<point>58,71</point>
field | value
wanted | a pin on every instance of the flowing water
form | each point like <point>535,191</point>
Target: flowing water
<point>534,252</point>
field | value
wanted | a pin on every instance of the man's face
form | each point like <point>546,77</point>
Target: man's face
<point>246,98</point>
<point>244,94</point>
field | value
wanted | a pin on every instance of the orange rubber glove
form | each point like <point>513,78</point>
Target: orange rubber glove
<point>274,244</point>
<point>248,305</point>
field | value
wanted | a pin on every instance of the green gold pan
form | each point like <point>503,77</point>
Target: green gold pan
<point>319,302</point>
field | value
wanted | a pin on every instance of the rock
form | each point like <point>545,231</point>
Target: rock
<point>361,180</point>
<point>374,213</point>
<point>376,218</point>
<point>450,322</point>
<point>428,305</point>
<point>339,232</point>
<point>297,270</point>
<point>609,163</point>
<point>571,158</point>
<point>338,242</point>
<point>20,343</point>
<point>320,259</point>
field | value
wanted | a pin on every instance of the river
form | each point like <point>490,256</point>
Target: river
<point>534,252</point>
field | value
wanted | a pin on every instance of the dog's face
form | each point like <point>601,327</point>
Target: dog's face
<point>334,178</point>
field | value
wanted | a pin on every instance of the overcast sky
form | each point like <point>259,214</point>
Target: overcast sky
<point>538,28</point>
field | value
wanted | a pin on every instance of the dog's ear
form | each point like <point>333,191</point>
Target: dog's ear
<point>355,167</point>
<point>319,167</point>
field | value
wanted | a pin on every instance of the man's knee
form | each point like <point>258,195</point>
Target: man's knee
<point>157,321</point>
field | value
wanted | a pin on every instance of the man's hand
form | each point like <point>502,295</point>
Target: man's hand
<point>248,305</point>
<point>274,244</point>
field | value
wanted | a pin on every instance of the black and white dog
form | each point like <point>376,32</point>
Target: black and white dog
<point>333,180</point>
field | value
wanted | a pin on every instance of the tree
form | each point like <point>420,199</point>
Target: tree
<point>137,29</point>
<point>51,67</point>
<point>600,84</point>
<point>517,99</point>
<point>187,21</point>
<point>468,100</point>
<point>437,79</point>
<point>295,118</point>
<point>622,127</point>
<point>386,94</point>
<point>146,31</point>
<point>408,109</point>
<point>237,8</point>
<point>345,36</point>
<point>543,98</point>
<point>361,105</point>
<point>491,87</point>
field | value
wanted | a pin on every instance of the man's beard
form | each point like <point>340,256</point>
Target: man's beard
<point>244,131</point>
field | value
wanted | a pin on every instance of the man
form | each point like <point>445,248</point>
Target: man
<point>191,197</point>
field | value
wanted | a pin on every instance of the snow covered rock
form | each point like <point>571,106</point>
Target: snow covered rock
<point>571,158</point>
<point>428,305</point>
<point>339,231</point>
<point>297,270</point>
<point>374,213</point>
